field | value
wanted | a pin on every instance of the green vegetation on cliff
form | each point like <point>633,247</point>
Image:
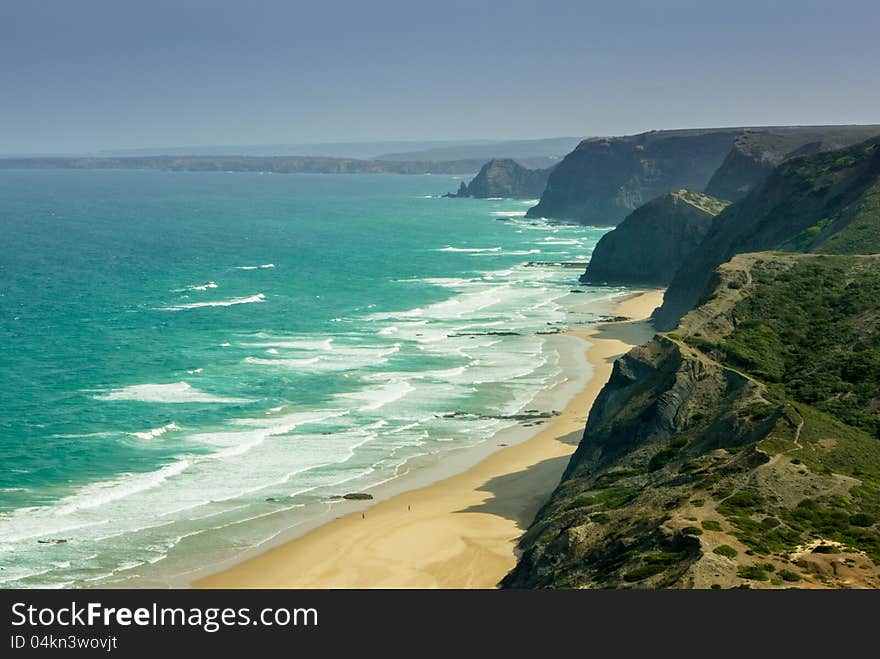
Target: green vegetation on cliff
<point>824,203</point>
<point>756,153</point>
<point>813,330</point>
<point>747,443</point>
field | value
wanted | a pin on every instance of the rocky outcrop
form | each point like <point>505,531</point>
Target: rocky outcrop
<point>503,177</point>
<point>756,153</point>
<point>607,523</point>
<point>604,179</point>
<point>828,202</point>
<point>357,496</point>
<point>649,246</point>
<point>693,473</point>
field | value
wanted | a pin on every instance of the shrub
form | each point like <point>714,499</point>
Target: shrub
<point>742,500</point>
<point>725,550</point>
<point>600,518</point>
<point>826,549</point>
<point>861,519</point>
<point>752,572</point>
<point>789,575</point>
<point>580,502</point>
<point>662,458</point>
<point>770,522</point>
<point>665,557</point>
<point>711,525</point>
<point>617,496</point>
<point>692,530</point>
<point>643,572</point>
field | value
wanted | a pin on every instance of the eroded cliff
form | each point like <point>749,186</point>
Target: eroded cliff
<point>721,455</point>
<point>652,243</point>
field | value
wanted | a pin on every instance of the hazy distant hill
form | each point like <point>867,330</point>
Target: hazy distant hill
<point>355,150</point>
<point>553,148</point>
<point>604,179</point>
<point>757,152</point>
<point>274,164</point>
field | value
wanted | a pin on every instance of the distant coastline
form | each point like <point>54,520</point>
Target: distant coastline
<point>267,164</point>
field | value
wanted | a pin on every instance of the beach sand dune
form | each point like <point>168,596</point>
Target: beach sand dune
<point>460,532</point>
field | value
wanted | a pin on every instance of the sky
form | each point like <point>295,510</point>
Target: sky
<point>88,75</point>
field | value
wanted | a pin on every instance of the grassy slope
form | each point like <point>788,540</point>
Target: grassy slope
<point>741,450</point>
<point>811,333</point>
<point>823,203</point>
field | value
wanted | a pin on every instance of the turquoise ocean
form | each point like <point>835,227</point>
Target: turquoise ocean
<point>194,358</point>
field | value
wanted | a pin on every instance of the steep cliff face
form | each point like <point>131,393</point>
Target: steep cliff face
<point>653,241</point>
<point>605,179</point>
<point>828,202</point>
<point>503,177</point>
<point>716,456</point>
<point>756,153</point>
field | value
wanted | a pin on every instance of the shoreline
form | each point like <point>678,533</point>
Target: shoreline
<point>459,531</point>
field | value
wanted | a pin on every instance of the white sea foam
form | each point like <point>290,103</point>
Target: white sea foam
<point>515,252</point>
<point>156,432</point>
<point>554,241</point>
<point>294,342</point>
<point>509,213</point>
<point>288,363</point>
<point>449,248</point>
<point>230,471</point>
<point>259,297</point>
<point>202,287</point>
<point>373,398</point>
<point>174,392</point>
<point>265,266</point>
<point>333,358</point>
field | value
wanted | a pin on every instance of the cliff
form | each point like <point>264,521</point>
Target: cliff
<point>743,450</point>
<point>504,177</point>
<point>827,202</point>
<point>653,241</point>
<point>756,153</point>
<point>605,179</point>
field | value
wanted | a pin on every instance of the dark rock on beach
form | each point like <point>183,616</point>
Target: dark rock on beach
<point>357,496</point>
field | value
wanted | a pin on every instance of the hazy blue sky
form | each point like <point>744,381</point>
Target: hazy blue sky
<point>96,74</point>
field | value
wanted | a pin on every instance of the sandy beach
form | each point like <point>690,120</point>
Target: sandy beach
<point>460,532</point>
